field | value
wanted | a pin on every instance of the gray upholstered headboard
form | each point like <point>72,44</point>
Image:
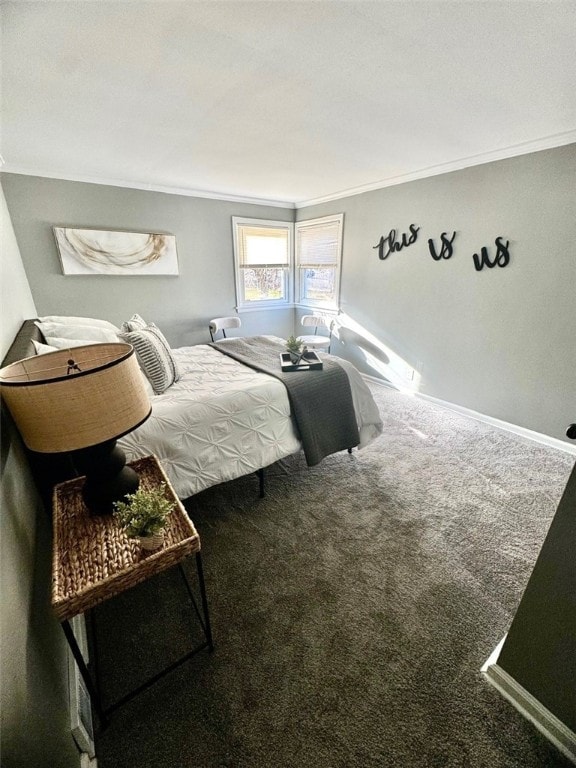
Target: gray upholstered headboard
<point>47,468</point>
<point>22,345</point>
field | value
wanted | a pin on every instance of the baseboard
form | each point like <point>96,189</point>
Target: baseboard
<point>528,434</point>
<point>386,383</point>
<point>563,738</point>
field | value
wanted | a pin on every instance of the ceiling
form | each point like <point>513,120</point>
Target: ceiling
<point>284,101</point>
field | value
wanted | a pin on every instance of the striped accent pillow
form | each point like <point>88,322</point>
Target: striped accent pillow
<point>155,357</point>
<point>136,323</point>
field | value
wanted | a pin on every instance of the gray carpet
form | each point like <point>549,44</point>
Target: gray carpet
<point>352,610</point>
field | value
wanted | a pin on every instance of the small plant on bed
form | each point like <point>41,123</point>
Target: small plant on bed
<point>296,348</point>
<point>144,514</point>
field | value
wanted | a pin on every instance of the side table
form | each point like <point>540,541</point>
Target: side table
<point>94,560</point>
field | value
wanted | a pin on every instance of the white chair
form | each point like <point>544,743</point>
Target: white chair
<point>317,340</point>
<point>221,323</point>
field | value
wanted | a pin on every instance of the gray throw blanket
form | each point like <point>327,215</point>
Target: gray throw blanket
<point>321,401</point>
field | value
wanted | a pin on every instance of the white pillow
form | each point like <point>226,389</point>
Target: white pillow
<point>92,321</point>
<point>51,330</point>
<point>59,343</point>
<point>42,349</point>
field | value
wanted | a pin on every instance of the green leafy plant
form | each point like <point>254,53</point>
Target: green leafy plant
<point>145,512</point>
<point>294,345</point>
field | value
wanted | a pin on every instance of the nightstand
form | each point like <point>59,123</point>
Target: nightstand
<point>93,560</point>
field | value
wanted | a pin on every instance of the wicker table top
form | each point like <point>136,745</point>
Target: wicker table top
<point>92,557</point>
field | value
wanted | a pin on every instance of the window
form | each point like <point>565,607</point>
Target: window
<point>318,258</point>
<point>263,259</point>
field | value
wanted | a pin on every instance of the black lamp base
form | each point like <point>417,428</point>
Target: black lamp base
<point>108,478</point>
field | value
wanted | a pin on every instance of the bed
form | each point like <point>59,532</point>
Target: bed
<point>220,419</point>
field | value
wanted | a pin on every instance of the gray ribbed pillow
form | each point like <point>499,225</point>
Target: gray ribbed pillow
<point>136,323</point>
<point>154,355</point>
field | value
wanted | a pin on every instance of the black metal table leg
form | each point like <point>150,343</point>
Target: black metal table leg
<point>207,629</point>
<point>79,659</point>
<point>204,619</point>
<point>260,473</point>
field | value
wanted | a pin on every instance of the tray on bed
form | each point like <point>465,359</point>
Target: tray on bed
<point>308,362</point>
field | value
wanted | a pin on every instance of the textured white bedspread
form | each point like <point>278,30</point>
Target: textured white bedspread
<point>222,420</point>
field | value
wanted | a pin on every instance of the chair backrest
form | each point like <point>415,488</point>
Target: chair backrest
<point>221,323</point>
<point>317,321</point>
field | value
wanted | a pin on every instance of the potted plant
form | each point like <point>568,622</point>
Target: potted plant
<point>143,515</point>
<point>296,348</point>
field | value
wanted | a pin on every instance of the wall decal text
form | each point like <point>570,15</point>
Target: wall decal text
<point>388,244</point>
<point>502,258</point>
<point>446,250</point>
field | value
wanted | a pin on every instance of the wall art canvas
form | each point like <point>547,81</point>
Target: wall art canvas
<point>100,252</point>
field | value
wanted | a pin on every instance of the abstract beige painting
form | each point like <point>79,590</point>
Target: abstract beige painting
<point>102,252</point>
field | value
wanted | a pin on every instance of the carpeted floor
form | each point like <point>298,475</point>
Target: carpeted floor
<point>352,610</point>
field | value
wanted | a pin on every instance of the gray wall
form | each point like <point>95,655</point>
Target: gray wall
<point>501,341</point>
<point>540,649</point>
<point>35,729</point>
<point>180,306</point>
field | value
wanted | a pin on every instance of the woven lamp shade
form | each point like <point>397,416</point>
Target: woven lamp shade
<point>75,398</point>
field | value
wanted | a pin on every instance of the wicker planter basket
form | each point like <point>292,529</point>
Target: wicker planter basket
<point>152,542</point>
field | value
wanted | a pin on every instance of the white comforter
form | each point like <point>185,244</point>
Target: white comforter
<point>222,420</point>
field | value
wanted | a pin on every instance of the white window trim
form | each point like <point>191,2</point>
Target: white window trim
<point>263,304</point>
<point>332,306</point>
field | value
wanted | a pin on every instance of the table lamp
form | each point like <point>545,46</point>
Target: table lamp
<point>80,401</point>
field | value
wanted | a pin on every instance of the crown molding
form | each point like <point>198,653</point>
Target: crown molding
<point>126,184</point>
<point>527,147</point>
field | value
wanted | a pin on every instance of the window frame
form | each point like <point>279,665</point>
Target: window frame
<point>301,301</point>
<point>263,304</point>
